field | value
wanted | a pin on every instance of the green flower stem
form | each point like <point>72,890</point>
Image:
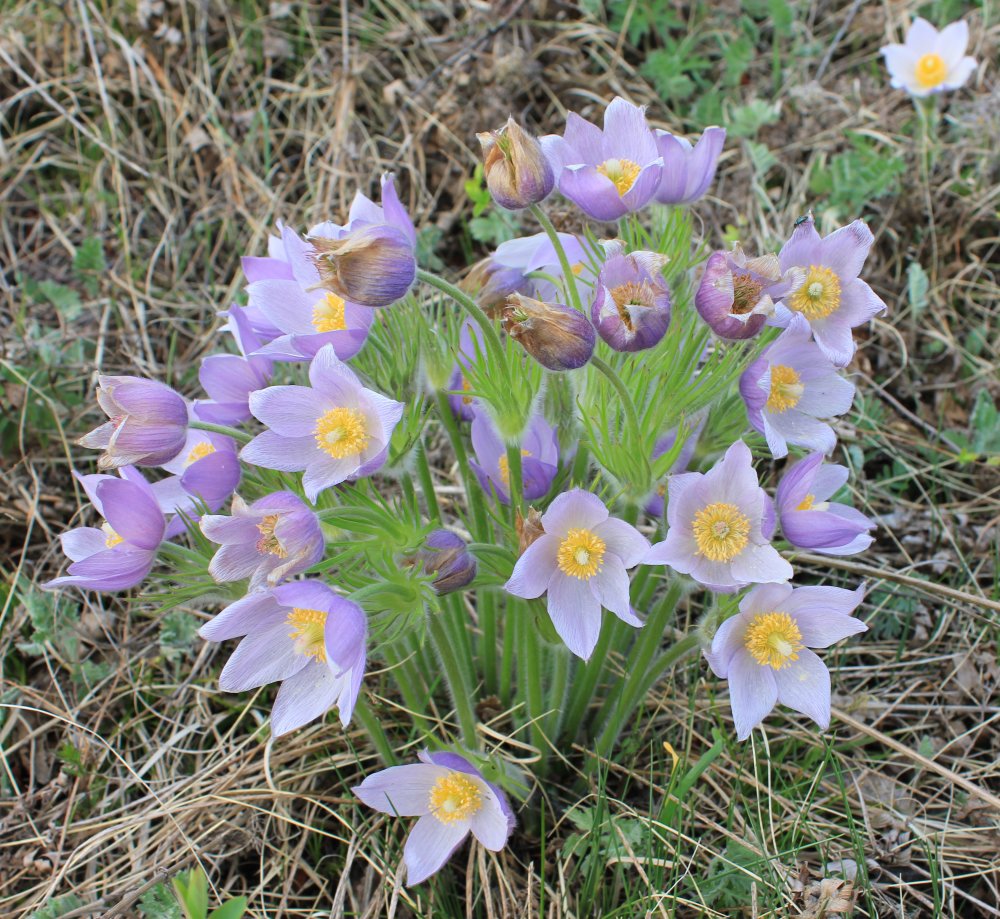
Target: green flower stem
<point>529,674</point>
<point>457,676</point>
<point>586,683</point>
<point>472,309</point>
<point>408,672</point>
<point>507,658</point>
<point>373,728</point>
<point>567,269</point>
<point>427,482</point>
<point>515,479</point>
<point>486,608</point>
<point>180,553</point>
<point>558,688</point>
<point>235,433</point>
<point>626,397</point>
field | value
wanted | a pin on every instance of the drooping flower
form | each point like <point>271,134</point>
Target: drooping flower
<point>930,61</point>
<point>687,170</point>
<point>516,170</point>
<point>582,564</point>
<point>631,306</point>
<point>655,503</point>
<point>120,553</point>
<point>558,337</point>
<point>539,457</point>
<point>302,634</point>
<point>268,541</point>
<point>451,798</point>
<point>809,520</point>
<point>718,525</point>
<point>611,172</point>
<point>764,650</point>
<point>147,426</point>
<point>831,298</point>
<point>446,556</point>
<point>790,387</point>
<point>333,430</point>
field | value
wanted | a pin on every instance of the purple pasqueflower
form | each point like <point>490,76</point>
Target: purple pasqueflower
<point>120,553</point>
<point>582,564</point>
<point>147,426</point>
<point>469,345</point>
<point>446,556</point>
<point>333,430</point>
<point>516,170</point>
<point>631,306</point>
<point>687,170</point>
<point>558,337</point>
<point>606,173</point>
<point>654,503</point>
<point>930,61</point>
<point>303,635</point>
<point>737,294</point>
<point>718,526</point>
<point>764,650</point>
<point>268,541</point>
<point>451,798</point>
<point>790,387</point>
<point>539,457</point>
<point>832,298</point>
<point>809,520</point>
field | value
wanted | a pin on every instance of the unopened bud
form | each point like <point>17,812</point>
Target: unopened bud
<point>372,266</point>
<point>556,336</point>
<point>517,171</point>
<point>446,556</point>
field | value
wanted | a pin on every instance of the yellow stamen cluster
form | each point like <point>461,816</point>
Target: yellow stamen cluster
<point>786,389</point>
<point>308,632</point>
<point>454,797</point>
<point>111,539</point>
<point>721,531</point>
<point>630,294</point>
<point>199,451</point>
<point>341,432</point>
<point>328,314</point>
<point>746,293</point>
<point>806,503</point>
<point>269,544</point>
<point>581,554</point>
<point>504,465</point>
<point>622,173</point>
<point>819,295</point>
<point>773,639</point>
<point>931,71</point>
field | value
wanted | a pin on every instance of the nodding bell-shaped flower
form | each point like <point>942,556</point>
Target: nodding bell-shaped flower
<point>558,337</point>
<point>446,556</point>
<point>517,171</point>
<point>631,308</point>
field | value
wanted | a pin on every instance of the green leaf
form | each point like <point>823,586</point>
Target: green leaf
<point>159,903</point>
<point>747,120</point>
<point>984,424</point>
<point>178,631</point>
<point>231,910</point>
<point>192,890</point>
<point>88,264</point>
<point>917,285</point>
<point>63,298</point>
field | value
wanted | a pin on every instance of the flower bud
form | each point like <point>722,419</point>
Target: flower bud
<point>517,172</point>
<point>556,336</point>
<point>372,266</point>
<point>446,556</point>
<point>631,308</point>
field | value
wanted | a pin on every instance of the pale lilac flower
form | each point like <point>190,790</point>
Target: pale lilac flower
<point>809,520</point>
<point>631,306</point>
<point>930,61</point>
<point>764,650</point>
<point>687,170</point>
<point>831,298</point>
<point>446,556</point>
<point>539,457</point>
<point>790,387</point>
<point>451,798</point>
<point>268,541</point>
<point>654,503</point>
<point>333,430</point>
<point>719,525</point>
<point>582,563</point>
<point>302,634</point>
<point>516,170</point>
<point>558,337</point>
<point>606,173</point>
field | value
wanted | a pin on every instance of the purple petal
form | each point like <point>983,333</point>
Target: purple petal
<point>402,791</point>
<point>760,565</point>
<point>82,542</point>
<point>132,514</point>
<point>575,613</point>
<point>260,658</point>
<point>804,686</point>
<point>574,509</point>
<point>534,568</point>
<point>627,134</point>
<point>624,540</point>
<point>253,612</point>
<point>802,248</point>
<point>304,696</point>
<point>610,587</point>
<point>752,692</point>
<point>429,845</point>
<point>491,824</point>
<point>287,454</point>
<point>332,377</point>
<point>594,193</point>
<point>289,411</point>
<point>846,249</point>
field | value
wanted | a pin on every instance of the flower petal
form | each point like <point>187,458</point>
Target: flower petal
<point>752,692</point>
<point>534,568</point>
<point>805,687</point>
<point>429,845</point>
<point>575,613</point>
<point>306,695</point>
<point>403,791</point>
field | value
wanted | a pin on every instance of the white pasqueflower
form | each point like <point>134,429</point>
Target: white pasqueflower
<point>930,61</point>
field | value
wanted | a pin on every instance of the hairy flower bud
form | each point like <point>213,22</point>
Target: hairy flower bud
<point>556,336</point>
<point>517,171</point>
<point>373,266</point>
<point>446,556</point>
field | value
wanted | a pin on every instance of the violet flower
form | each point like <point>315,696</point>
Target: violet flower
<point>631,307</point>
<point>558,337</point>
<point>451,798</point>
<point>764,650</point>
<point>302,634</point>
<point>582,564</point>
<point>516,170</point>
<point>687,170</point>
<point>539,457</point>
<point>930,61</point>
<point>446,556</point>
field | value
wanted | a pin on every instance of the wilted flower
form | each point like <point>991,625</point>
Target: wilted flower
<point>764,650</point>
<point>790,387</point>
<point>302,634</point>
<point>608,173</point>
<point>148,423</point>
<point>334,429</point>
<point>451,798</point>
<point>268,541</point>
<point>558,337</point>
<point>655,503</point>
<point>809,520</point>
<point>631,308</point>
<point>446,556</point>
<point>539,457</point>
<point>582,563</point>
<point>516,170</point>
<point>930,61</point>
<point>687,170</point>
<point>528,529</point>
<point>718,526</point>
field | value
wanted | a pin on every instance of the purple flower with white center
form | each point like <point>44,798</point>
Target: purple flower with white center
<point>930,61</point>
<point>582,564</point>
<point>469,344</point>
<point>147,427</point>
<point>120,553</point>
<point>790,387</point>
<point>764,650</point>
<point>268,541</point>
<point>333,430</point>
<point>810,520</point>
<point>832,298</point>
<point>451,798</point>
<point>539,457</point>
<point>631,307</point>
<point>606,173</point>
<point>655,503</point>
<point>302,634</point>
<point>446,556</point>
<point>719,525</point>
<point>558,337</point>
<point>687,170</point>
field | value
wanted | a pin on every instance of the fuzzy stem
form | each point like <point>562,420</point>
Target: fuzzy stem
<point>472,309</point>
<point>626,397</point>
<point>235,433</point>
<point>373,728</point>
<point>567,269</point>
<point>458,683</point>
<point>515,480</point>
<point>530,674</point>
<point>586,683</point>
<point>427,482</point>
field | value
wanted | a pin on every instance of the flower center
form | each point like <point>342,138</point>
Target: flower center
<point>308,632</point>
<point>269,544</point>
<point>341,432</point>
<point>199,451</point>
<point>631,294</point>
<point>622,173</point>
<point>721,531</point>
<point>931,71</point>
<point>504,465</point>
<point>773,639</point>
<point>806,503</point>
<point>819,295</point>
<point>581,554</point>
<point>746,293</point>
<point>454,797</point>
<point>328,314</point>
<point>112,539</point>
<point>786,389</point>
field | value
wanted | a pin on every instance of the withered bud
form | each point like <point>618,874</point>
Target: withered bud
<point>528,529</point>
<point>516,169</point>
<point>556,336</point>
<point>373,266</point>
<point>491,283</point>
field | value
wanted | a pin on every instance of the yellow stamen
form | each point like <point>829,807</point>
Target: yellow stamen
<point>746,293</point>
<point>112,539</point>
<point>309,632</point>
<point>773,639</point>
<point>806,503</point>
<point>581,554</point>
<point>931,71</point>
<point>467,387</point>
<point>328,314</point>
<point>819,295</point>
<point>721,531</point>
<point>454,797</point>
<point>786,389</point>
<point>199,451</point>
<point>576,268</point>
<point>622,173</point>
<point>341,432</point>
<point>504,465</point>
<point>269,544</point>
<point>630,294</point>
